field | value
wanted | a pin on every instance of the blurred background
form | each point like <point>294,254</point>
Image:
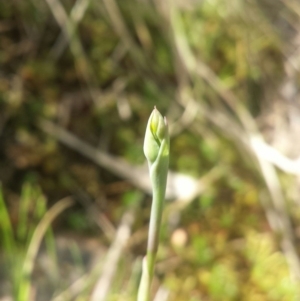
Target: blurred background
<point>78,82</point>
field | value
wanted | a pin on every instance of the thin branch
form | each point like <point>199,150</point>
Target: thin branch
<point>179,186</point>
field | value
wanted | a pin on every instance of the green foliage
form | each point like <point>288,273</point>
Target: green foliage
<point>21,246</point>
<point>262,254</point>
<point>77,221</point>
<point>32,206</point>
<point>203,253</point>
<point>199,62</point>
<point>6,227</point>
<point>222,282</point>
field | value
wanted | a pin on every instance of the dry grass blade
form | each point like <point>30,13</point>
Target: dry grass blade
<point>179,186</point>
<point>76,15</point>
<point>123,32</point>
<point>68,27</point>
<point>110,266</point>
<point>245,134</point>
<point>74,289</point>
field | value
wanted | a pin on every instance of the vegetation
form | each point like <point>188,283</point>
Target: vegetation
<point>157,152</point>
<point>78,80</point>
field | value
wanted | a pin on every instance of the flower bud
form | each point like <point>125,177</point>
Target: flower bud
<point>156,133</point>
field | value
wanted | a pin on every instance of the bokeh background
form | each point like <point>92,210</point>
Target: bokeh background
<point>78,81</point>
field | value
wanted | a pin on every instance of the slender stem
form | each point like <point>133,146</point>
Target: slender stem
<point>153,239</point>
<point>158,179</point>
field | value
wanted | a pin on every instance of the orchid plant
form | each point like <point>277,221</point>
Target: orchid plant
<point>156,149</point>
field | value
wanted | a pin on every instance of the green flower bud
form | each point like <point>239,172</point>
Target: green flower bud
<point>156,134</point>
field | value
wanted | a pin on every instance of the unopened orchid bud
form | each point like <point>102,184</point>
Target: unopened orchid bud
<point>156,136</point>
